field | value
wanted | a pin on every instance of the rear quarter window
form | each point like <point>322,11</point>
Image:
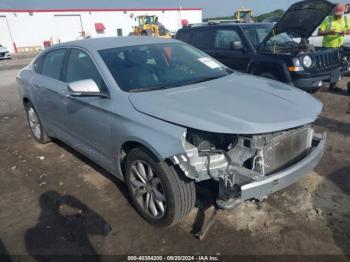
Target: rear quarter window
<point>185,36</point>
<point>53,63</point>
<point>38,64</point>
<point>205,39</point>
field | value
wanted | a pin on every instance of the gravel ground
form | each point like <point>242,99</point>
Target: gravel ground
<point>16,62</point>
<point>55,201</point>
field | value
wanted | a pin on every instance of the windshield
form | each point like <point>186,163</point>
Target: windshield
<point>160,66</point>
<point>256,34</point>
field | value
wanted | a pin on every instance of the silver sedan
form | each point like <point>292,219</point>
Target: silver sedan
<point>163,116</point>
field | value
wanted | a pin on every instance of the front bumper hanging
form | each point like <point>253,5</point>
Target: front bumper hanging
<point>267,185</point>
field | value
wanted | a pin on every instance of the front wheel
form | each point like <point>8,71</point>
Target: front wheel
<point>160,195</point>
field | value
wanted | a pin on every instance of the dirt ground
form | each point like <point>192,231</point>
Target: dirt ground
<point>55,201</point>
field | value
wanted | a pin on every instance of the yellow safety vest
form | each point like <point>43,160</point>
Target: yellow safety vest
<point>339,25</point>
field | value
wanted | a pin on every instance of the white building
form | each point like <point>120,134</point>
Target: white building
<point>27,30</point>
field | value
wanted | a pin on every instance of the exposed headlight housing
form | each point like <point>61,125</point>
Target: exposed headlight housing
<point>307,61</point>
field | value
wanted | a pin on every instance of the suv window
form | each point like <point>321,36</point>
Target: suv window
<point>185,35</point>
<point>224,38</point>
<point>53,63</point>
<point>256,34</point>
<point>205,38</point>
<point>80,67</point>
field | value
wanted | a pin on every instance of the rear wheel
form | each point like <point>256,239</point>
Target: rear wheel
<point>35,124</point>
<point>159,193</point>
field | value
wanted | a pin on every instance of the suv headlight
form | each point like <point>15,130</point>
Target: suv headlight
<point>307,61</point>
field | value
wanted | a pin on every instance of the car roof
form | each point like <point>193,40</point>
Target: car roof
<point>112,42</point>
<point>223,24</point>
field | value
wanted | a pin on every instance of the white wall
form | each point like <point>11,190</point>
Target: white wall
<point>35,28</point>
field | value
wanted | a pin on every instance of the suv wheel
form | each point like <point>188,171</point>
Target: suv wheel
<point>35,124</point>
<point>159,193</point>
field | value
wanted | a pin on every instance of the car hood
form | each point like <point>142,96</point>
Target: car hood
<point>238,103</point>
<point>302,18</point>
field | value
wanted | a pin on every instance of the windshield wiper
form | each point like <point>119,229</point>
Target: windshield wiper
<point>205,79</point>
<point>151,88</point>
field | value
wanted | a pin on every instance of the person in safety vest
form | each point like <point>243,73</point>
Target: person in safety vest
<point>334,28</point>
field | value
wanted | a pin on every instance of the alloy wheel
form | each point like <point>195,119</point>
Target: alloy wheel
<point>34,122</point>
<point>148,189</point>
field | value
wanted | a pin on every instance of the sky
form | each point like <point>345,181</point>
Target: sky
<point>211,8</point>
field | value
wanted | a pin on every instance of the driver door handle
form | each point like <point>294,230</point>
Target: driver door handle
<point>65,93</point>
<point>37,84</point>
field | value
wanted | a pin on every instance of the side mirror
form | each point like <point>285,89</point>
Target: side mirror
<point>236,45</point>
<point>86,87</point>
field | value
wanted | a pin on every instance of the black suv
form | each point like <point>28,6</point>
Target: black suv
<point>278,51</point>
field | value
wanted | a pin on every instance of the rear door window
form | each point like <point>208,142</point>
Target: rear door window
<point>53,63</point>
<point>225,37</point>
<point>205,39</point>
<point>38,64</point>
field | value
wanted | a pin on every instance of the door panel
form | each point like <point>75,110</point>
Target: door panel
<point>87,119</point>
<point>47,89</point>
<point>48,102</point>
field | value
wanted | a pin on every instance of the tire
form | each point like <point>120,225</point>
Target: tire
<point>269,76</point>
<point>177,193</point>
<point>35,125</point>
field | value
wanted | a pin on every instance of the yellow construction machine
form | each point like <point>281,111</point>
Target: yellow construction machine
<point>148,25</point>
<point>244,14</point>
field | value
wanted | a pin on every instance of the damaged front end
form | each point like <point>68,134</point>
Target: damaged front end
<point>250,166</point>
